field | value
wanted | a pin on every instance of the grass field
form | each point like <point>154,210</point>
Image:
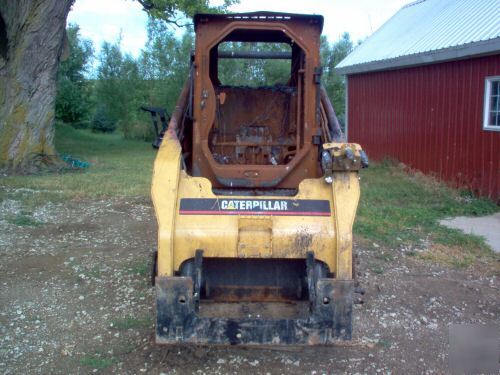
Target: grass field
<point>395,209</point>
<point>119,167</point>
<point>398,208</point>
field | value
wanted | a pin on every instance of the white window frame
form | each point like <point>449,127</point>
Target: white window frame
<point>487,102</point>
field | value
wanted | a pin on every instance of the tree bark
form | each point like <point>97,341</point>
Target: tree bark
<point>35,36</point>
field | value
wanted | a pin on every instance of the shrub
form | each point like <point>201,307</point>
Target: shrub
<point>102,121</point>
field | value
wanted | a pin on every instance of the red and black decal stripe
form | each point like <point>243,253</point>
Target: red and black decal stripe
<point>267,207</point>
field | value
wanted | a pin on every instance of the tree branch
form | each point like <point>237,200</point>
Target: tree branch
<point>167,10</point>
<point>176,22</point>
<point>146,4</point>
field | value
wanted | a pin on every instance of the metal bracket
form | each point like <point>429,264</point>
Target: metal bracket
<point>311,276</point>
<point>197,277</point>
<point>177,322</point>
<point>318,72</point>
<point>164,119</point>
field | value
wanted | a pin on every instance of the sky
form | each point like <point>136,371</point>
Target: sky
<point>103,20</point>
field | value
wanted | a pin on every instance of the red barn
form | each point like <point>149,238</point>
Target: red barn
<point>425,89</point>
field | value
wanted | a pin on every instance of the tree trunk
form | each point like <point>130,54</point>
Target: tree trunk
<point>31,44</point>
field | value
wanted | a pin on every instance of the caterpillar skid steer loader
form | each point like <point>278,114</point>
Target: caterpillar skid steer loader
<point>255,194</point>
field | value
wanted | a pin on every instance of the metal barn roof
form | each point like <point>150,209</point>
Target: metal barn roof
<point>428,31</point>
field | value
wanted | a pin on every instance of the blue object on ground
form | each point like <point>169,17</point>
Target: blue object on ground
<point>75,163</point>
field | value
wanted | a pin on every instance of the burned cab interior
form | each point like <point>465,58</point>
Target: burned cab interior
<point>255,99</point>
<point>256,118</point>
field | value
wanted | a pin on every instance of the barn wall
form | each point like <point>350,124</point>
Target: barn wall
<point>430,118</point>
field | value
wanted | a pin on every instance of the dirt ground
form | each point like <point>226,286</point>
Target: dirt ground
<point>75,298</point>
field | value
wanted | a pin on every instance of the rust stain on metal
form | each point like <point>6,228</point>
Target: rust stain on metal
<point>303,241</point>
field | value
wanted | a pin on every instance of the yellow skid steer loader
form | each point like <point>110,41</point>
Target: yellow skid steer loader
<point>255,194</point>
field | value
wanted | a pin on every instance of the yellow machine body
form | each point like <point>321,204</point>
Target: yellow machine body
<point>243,236</point>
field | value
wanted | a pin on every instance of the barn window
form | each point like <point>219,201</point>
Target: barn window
<point>492,104</point>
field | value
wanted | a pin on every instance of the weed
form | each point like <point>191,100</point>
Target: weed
<point>96,361</point>
<point>384,344</point>
<point>386,257</point>
<point>140,267</point>
<point>23,220</point>
<point>453,256</point>
<point>376,269</point>
<point>95,272</point>
<point>126,348</point>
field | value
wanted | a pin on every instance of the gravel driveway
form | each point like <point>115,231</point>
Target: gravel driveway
<point>75,299</point>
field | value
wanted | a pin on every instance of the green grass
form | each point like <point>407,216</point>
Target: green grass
<point>140,267</point>
<point>385,256</point>
<point>130,322</point>
<point>377,269</point>
<point>384,344</point>
<point>399,208</point>
<point>96,361</point>
<point>119,167</point>
<point>459,261</point>
<point>125,348</point>
<point>23,220</point>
